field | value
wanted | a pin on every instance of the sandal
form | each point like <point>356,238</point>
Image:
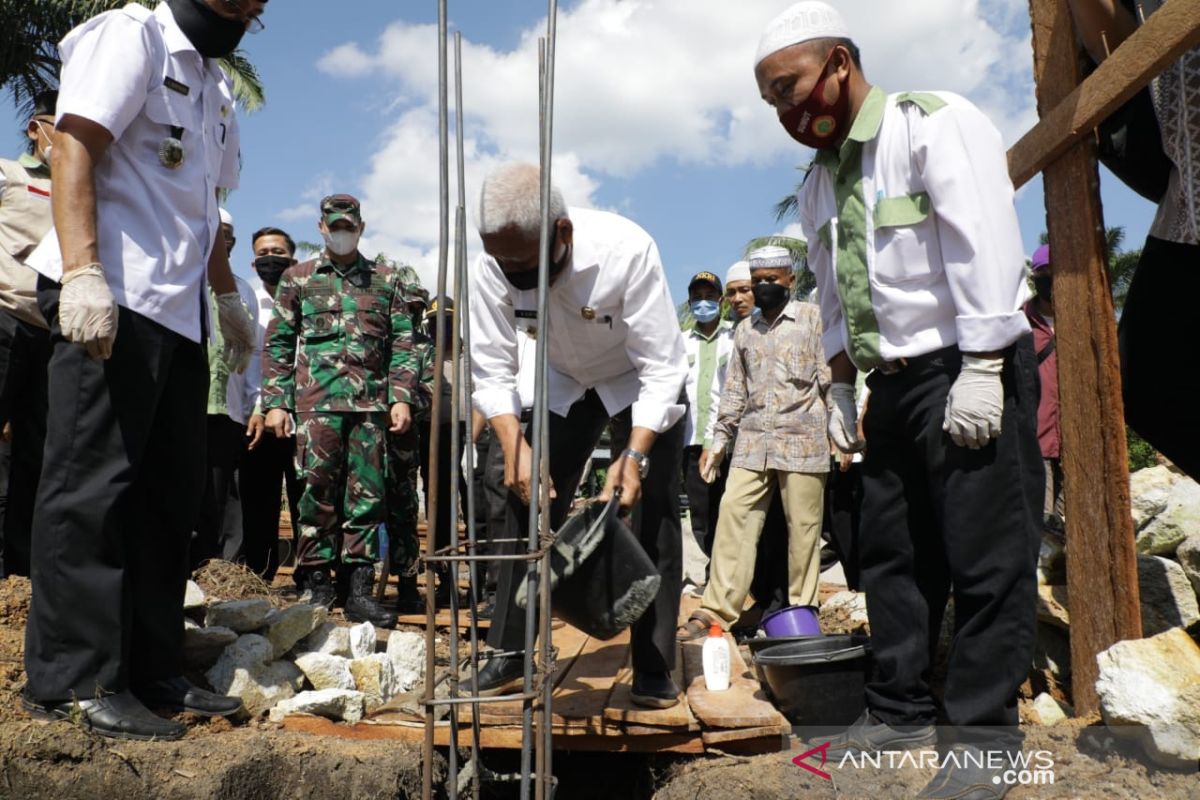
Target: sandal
<point>695,628</point>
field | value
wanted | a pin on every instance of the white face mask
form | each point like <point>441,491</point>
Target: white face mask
<point>342,243</point>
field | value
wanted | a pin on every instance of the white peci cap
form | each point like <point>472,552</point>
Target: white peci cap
<point>770,257</point>
<point>738,272</point>
<point>226,217</point>
<point>803,22</point>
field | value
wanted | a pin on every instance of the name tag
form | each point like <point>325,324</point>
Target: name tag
<point>523,314</point>
<point>176,86</point>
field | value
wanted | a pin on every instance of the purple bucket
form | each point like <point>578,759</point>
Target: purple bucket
<point>792,621</point>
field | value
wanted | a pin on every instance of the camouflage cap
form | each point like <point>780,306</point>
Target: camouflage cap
<point>341,206</point>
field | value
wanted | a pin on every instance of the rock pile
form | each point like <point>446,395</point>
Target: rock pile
<point>296,661</point>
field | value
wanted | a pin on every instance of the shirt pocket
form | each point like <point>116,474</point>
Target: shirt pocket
<point>321,317</point>
<point>906,246</point>
<point>172,109</point>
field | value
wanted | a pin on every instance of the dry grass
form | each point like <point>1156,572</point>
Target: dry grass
<point>226,580</point>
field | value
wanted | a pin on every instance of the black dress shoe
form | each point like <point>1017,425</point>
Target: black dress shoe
<point>654,690</point>
<point>869,735</point>
<point>487,610</point>
<point>966,774</point>
<point>119,716</point>
<point>180,694</point>
<point>501,675</point>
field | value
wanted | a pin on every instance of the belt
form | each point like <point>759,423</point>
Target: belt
<point>900,364</point>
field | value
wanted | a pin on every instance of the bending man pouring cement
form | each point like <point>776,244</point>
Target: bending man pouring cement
<point>616,355</point>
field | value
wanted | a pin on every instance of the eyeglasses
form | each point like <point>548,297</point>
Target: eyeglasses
<point>253,24</point>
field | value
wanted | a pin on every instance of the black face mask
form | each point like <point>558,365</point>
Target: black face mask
<point>270,268</point>
<point>769,296</point>
<point>528,278</point>
<point>212,35</point>
<point>1044,286</point>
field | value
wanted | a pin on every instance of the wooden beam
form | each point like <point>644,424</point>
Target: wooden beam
<point>1101,561</point>
<point>1167,34</point>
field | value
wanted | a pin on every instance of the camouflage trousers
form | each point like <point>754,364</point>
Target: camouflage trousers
<point>403,507</point>
<point>340,457</point>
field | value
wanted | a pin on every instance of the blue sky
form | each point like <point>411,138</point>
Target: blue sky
<point>657,116</point>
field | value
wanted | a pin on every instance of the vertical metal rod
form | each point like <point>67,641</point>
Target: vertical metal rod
<point>462,306</point>
<point>435,412</point>
<point>539,718</point>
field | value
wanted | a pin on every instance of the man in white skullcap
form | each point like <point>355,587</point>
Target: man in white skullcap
<point>914,242</point>
<point>738,292</point>
<point>774,404</point>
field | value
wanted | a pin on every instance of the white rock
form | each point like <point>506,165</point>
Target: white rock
<point>1052,606</point>
<point>1149,490</point>
<point>1049,710</point>
<point>1180,519</point>
<point>1167,597</point>
<point>287,627</point>
<point>362,640</point>
<point>1154,684</point>
<point>190,624</point>
<point>193,596</point>
<point>406,651</point>
<point>203,646</point>
<point>328,638</point>
<point>336,704</point>
<point>261,687</point>
<point>326,671</point>
<point>242,616</point>
<point>247,652</point>
<point>854,603</point>
<point>374,677</point>
<point>1189,558</point>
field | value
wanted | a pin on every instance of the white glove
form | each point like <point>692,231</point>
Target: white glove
<point>843,418</point>
<point>87,312</point>
<point>975,403</point>
<point>237,331</point>
<point>711,469</point>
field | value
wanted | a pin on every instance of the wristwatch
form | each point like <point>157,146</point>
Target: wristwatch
<point>643,461</point>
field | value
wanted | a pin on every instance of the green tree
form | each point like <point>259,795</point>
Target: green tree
<point>32,29</point>
<point>1121,263</point>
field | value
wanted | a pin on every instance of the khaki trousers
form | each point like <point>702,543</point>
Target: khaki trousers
<point>744,507</point>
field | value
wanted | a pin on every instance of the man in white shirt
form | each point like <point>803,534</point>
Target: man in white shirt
<point>146,135</point>
<point>270,462</point>
<point>615,354</point>
<point>708,344</point>
<point>913,238</point>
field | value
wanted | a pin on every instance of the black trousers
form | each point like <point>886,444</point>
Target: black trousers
<point>704,499</point>
<point>494,498</point>
<point>843,510</point>
<point>770,583</point>
<point>1156,322</point>
<point>218,526</point>
<point>24,356</point>
<point>262,476</point>
<point>936,515</point>
<point>119,494</point>
<point>446,515</point>
<point>655,522</point>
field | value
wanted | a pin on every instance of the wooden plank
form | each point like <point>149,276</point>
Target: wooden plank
<point>742,705</point>
<point>621,708</point>
<point>724,735</point>
<point>583,693</point>
<point>1101,561</point>
<point>1078,108</point>
<point>443,620</point>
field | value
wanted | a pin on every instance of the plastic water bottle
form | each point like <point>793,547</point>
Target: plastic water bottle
<point>716,659</point>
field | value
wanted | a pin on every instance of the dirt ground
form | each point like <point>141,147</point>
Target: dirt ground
<point>258,761</point>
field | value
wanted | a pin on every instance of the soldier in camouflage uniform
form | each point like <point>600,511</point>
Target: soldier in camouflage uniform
<point>339,355</point>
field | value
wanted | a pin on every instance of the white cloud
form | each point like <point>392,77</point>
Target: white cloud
<point>638,82</point>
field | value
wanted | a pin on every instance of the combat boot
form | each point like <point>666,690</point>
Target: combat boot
<point>317,587</point>
<point>447,587</point>
<point>409,600</point>
<point>360,605</point>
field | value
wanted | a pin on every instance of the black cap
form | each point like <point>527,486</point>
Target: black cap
<point>44,103</point>
<point>433,307</point>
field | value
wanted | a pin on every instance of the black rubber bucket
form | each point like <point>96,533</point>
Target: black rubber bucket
<point>601,579</point>
<point>818,681</point>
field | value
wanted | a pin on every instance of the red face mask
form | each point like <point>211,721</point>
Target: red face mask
<point>816,122</point>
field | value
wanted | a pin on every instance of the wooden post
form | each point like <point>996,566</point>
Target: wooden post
<point>1101,561</point>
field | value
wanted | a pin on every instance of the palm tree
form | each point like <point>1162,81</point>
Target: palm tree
<point>29,61</point>
<point>1121,263</point>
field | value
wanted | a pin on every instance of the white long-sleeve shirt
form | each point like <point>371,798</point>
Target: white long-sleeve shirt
<point>612,328</point>
<point>913,236</point>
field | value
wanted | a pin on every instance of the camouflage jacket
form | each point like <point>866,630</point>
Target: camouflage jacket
<point>340,339</point>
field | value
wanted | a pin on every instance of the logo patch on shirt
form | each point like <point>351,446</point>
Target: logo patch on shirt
<point>523,314</point>
<point>176,86</point>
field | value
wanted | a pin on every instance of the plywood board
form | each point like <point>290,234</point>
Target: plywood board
<point>742,705</point>
<point>622,709</point>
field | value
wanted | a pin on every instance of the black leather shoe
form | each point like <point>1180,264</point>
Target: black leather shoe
<point>180,694</point>
<point>488,609</point>
<point>965,775</point>
<point>119,716</point>
<point>654,690</point>
<point>868,734</point>
<point>501,675</point>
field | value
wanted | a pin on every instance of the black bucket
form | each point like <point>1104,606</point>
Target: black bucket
<point>601,579</point>
<point>818,681</point>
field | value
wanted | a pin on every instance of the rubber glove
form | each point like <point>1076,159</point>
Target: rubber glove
<point>237,331</point>
<point>843,418</point>
<point>710,463</point>
<point>87,312</point>
<point>975,403</point>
